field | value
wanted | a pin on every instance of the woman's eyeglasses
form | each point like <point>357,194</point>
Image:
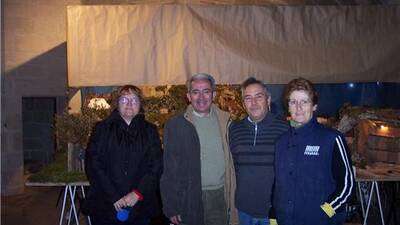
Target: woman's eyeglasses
<point>301,103</point>
<point>125,100</point>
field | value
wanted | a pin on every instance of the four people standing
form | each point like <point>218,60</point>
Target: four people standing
<point>306,167</point>
<point>252,143</point>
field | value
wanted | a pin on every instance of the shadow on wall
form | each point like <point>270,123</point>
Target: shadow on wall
<point>45,74</point>
<point>42,76</point>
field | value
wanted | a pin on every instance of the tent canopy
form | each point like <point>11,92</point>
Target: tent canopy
<point>158,44</point>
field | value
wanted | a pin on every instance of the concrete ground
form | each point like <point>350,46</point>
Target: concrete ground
<point>38,206</point>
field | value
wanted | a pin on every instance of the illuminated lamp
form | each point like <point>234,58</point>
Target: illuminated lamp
<point>98,103</point>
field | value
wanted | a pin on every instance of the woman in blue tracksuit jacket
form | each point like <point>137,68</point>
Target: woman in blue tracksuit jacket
<point>313,175</point>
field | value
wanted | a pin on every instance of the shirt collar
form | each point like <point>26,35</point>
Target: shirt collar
<point>201,116</point>
<point>305,127</point>
<point>268,118</point>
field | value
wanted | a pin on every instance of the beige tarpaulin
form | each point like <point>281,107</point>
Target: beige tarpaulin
<point>163,44</point>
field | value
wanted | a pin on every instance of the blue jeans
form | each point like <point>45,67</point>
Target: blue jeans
<point>246,219</point>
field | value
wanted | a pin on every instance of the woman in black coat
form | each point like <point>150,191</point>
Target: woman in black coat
<point>123,164</point>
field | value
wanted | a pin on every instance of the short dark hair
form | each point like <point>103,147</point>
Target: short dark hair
<point>300,84</point>
<point>251,80</point>
<point>130,89</point>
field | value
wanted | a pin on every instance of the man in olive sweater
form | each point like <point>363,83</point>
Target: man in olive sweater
<point>198,183</point>
<point>252,142</point>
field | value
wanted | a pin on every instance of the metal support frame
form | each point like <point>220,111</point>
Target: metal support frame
<point>70,190</point>
<point>374,188</point>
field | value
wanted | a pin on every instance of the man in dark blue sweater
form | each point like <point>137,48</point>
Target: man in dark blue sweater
<point>251,142</point>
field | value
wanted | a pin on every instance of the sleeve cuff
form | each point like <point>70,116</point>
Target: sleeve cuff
<point>328,209</point>
<point>140,196</point>
<point>273,222</point>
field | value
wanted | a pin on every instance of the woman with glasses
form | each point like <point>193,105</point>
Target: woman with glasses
<point>123,164</point>
<point>313,175</point>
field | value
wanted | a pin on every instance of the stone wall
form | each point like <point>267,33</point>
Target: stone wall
<point>34,57</point>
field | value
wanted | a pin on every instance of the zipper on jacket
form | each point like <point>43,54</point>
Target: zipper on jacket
<point>255,130</point>
<point>255,134</point>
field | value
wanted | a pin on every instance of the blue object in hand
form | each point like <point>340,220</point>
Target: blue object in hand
<point>123,214</point>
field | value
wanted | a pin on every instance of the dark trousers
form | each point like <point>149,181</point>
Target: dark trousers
<point>215,211</point>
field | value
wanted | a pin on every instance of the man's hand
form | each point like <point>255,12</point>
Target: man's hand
<point>176,219</point>
<point>131,199</point>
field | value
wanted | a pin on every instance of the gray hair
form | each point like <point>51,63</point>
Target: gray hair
<point>251,80</point>
<point>200,76</point>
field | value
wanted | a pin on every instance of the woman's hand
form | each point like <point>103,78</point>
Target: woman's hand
<point>131,199</point>
<point>118,205</point>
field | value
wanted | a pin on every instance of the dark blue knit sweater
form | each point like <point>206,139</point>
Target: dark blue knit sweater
<point>252,146</point>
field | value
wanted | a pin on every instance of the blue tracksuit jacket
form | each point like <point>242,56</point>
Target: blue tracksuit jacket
<point>312,167</point>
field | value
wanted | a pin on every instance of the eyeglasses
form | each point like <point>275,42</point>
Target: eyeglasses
<point>301,103</point>
<point>204,92</point>
<point>257,98</point>
<point>125,100</point>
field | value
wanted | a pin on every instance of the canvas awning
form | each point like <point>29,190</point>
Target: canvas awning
<point>159,44</point>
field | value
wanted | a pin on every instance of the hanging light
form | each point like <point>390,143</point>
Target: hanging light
<point>383,128</point>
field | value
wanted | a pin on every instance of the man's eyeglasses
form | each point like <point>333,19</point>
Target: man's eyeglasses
<point>257,98</point>
<point>301,103</point>
<point>125,100</point>
<point>204,92</point>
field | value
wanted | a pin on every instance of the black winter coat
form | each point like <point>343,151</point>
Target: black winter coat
<point>121,158</point>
